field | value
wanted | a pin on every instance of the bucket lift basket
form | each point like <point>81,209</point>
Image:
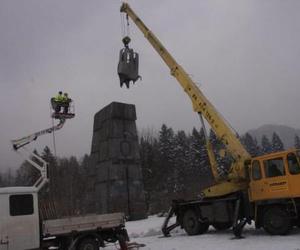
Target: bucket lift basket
<point>63,115</point>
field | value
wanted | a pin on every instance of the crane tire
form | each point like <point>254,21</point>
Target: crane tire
<point>192,224</point>
<point>276,221</point>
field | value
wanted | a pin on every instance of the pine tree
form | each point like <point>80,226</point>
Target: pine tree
<point>202,159</point>
<point>85,163</point>
<point>27,175</point>
<point>277,144</point>
<point>48,156</point>
<point>199,175</point>
<point>166,143</point>
<point>223,162</point>
<point>76,185</point>
<point>297,142</point>
<point>9,178</point>
<point>145,149</point>
<point>51,194</point>
<point>151,172</point>
<point>216,143</point>
<point>166,146</point>
<point>182,161</point>
<point>266,145</point>
<point>250,145</point>
<point>85,185</point>
<point>198,148</point>
<point>166,162</point>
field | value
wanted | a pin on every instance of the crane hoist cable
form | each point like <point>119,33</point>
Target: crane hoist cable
<point>53,139</point>
<point>128,66</point>
<point>53,133</point>
<point>122,25</point>
<point>125,25</point>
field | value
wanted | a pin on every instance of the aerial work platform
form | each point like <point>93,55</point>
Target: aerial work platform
<point>61,116</point>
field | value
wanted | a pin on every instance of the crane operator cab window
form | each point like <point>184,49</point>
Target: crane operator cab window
<point>274,167</point>
<point>293,163</point>
<point>256,172</point>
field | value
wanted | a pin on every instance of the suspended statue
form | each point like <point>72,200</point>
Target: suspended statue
<point>128,67</point>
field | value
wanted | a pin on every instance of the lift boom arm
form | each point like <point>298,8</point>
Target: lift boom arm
<point>19,143</point>
<point>38,163</point>
<point>32,158</point>
<point>200,103</point>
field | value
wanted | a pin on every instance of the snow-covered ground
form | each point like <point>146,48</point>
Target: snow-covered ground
<point>148,232</point>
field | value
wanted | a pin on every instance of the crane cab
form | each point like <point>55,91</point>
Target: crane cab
<point>275,176</point>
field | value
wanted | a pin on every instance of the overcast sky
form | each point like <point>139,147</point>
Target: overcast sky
<point>244,54</point>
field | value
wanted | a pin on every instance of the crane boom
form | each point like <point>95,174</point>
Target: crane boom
<point>200,103</point>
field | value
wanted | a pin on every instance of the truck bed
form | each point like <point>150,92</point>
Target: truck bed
<point>82,223</point>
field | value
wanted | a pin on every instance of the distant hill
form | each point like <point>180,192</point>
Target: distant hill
<point>285,133</point>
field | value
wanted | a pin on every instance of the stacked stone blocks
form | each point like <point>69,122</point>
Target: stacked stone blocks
<point>118,185</point>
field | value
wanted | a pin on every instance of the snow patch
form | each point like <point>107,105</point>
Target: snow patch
<point>148,232</point>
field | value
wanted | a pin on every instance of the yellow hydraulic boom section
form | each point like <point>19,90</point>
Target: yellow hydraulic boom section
<point>202,106</point>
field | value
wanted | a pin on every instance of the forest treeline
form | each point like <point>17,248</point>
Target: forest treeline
<point>174,165</point>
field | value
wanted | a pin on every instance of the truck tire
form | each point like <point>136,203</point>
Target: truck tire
<point>122,243</point>
<point>191,223</point>
<point>220,226</point>
<point>276,221</point>
<point>88,244</point>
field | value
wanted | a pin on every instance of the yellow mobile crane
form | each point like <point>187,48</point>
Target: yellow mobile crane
<point>264,189</point>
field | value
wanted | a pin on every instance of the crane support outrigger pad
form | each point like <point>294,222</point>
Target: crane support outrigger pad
<point>128,67</point>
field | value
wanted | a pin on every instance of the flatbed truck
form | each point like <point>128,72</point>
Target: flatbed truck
<point>22,226</point>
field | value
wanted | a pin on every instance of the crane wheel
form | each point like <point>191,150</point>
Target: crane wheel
<point>192,224</point>
<point>221,226</point>
<point>276,221</point>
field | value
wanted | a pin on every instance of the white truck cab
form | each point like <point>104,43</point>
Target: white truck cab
<point>19,218</point>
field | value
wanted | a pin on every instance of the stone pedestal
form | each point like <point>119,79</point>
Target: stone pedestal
<point>116,177</point>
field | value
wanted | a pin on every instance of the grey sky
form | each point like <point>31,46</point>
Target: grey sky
<point>244,54</point>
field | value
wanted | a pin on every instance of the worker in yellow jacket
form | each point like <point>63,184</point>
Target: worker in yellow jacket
<point>66,103</point>
<point>58,102</point>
